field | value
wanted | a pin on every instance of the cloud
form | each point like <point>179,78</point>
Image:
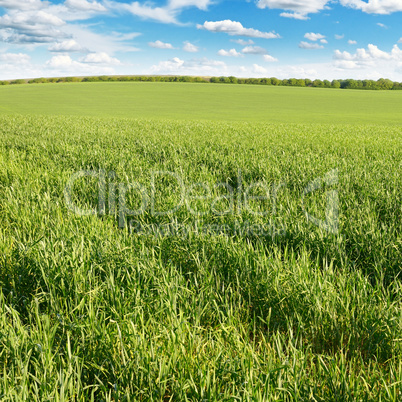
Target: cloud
<point>243,42</point>
<point>99,58</point>
<point>178,4</point>
<point>374,6</point>
<point>21,5</point>
<point>98,42</point>
<point>10,36</point>
<point>14,58</point>
<point>297,9</point>
<point>254,50</point>
<point>352,42</point>
<point>308,45</point>
<point>30,20</point>
<point>370,57</point>
<point>400,40</point>
<point>382,25</point>
<point>69,45</point>
<point>190,48</point>
<point>60,61</point>
<point>259,69</point>
<point>166,14</point>
<point>85,5</point>
<point>160,14</point>
<point>236,28</point>
<point>64,64</point>
<point>296,16</point>
<point>202,66</point>
<point>270,59</point>
<point>324,41</point>
<point>339,37</point>
<point>160,45</point>
<point>229,53</point>
<point>28,27</point>
<point>314,36</point>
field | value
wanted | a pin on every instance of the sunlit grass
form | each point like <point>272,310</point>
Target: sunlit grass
<point>92,311</point>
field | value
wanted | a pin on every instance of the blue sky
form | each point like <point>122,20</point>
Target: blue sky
<point>262,38</point>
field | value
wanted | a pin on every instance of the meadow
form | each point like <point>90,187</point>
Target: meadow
<point>200,101</point>
<point>137,302</point>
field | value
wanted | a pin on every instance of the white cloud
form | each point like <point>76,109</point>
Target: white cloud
<point>27,27</point>
<point>99,58</point>
<point>352,42</point>
<point>254,50</point>
<point>14,58</point>
<point>200,4</point>
<point>167,14</point>
<point>346,64</point>
<point>400,40</point>
<point>202,66</point>
<point>160,45</point>
<point>314,36</point>
<point>60,61</point>
<point>243,42</point>
<point>229,53</point>
<point>374,6</point>
<point>190,48</point>
<point>69,45</point>
<point>371,57</point>
<point>259,69</point>
<point>21,5</point>
<point>296,16</point>
<point>298,9</point>
<point>324,41</point>
<point>29,20</point>
<point>308,45</point>
<point>270,59</point>
<point>382,25</point>
<point>236,28</point>
<point>97,42</point>
<point>161,14</point>
<point>339,37</point>
<point>64,64</point>
<point>85,5</point>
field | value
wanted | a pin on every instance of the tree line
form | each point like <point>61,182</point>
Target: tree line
<point>381,84</point>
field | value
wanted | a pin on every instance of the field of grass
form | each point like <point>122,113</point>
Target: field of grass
<point>121,307</point>
<point>197,101</point>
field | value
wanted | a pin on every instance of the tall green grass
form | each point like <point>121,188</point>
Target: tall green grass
<point>91,311</point>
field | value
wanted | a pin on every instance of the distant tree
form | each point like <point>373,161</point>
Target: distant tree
<point>38,81</point>
<point>275,81</point>
<point>265,81</point>
<point>301,83</point>
<point>292,82</point>
<point>397,86</point>
<point>318,84</point>
<point>383,83</point>
<point>350,84</point>
<point>308,82</point>
<point>335,84</point>
<point>16,82</point>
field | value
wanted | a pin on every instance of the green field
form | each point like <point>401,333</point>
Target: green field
<point>205,102</point>
<point>223,297</point>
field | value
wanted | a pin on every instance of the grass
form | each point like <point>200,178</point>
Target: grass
<point>93,311</point>
<point>192,101</point>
